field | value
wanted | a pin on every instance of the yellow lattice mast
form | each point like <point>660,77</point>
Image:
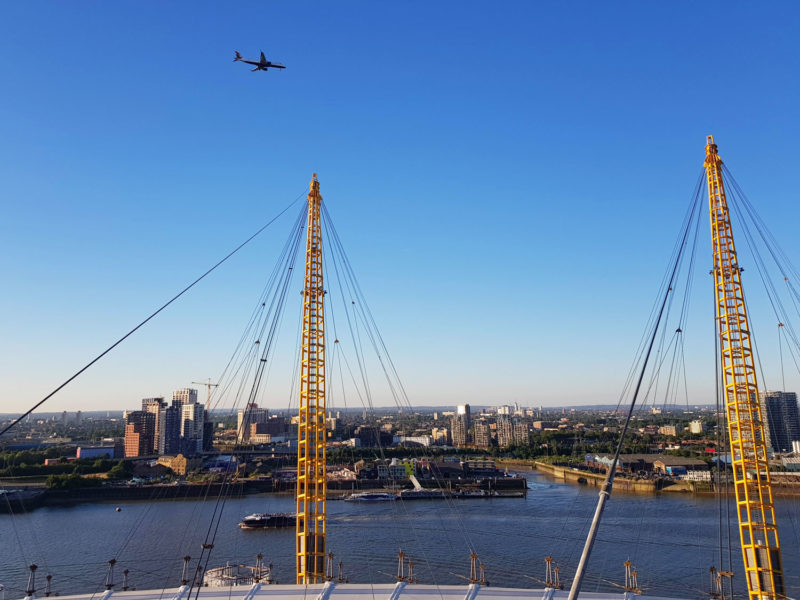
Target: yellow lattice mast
<point>757,527</point>
<point>311,484</point>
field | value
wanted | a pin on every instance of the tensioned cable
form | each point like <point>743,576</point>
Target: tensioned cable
<point>224,489</point>
<point>348,283</point>
<point>245,350</point>
<point>784,323</point>
<point>368,312</point>
<point>769,240</point>
<point>778,255</point>
<point>270,326</point>
<point>140,325</point>
<point>607,485</point>
<point>634,368</point>
<point>678,336</point>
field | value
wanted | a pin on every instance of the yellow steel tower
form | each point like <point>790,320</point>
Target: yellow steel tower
<point>311,484</point>
<point>757,527</point>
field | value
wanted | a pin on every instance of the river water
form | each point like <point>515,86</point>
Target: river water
<point>672,540</point>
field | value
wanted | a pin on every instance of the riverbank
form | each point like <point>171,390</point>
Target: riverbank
<point>25,499</point>
<point>577,476</point>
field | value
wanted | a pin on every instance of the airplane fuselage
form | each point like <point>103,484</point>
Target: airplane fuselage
<point>260,65</point>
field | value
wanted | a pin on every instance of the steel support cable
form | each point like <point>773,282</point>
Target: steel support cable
<point>634,368</point>
<point>279,292</point>
<point>674,372</point>
<point>772,293</point>
<point>275,314</point>
<point>358,309</point>
<point>679,337</point>
<point>778,255</point>
<point>245,345</point>
<point>272,316</point>
<point>145,321</point>
<point>248,362</point>
<point>793,353</point>
<point>337,252</point>
<point>364,306</point>
<point>761,269</point>
<point>660,355</point>
<point>776,251</point>
<point>328,229</point>
<point>360,357</point>
<point>387,376</point>
<point>351,285</point>
<point>275,293</point>
<point>267,347</point>
<point>294,389</point>
<point>226,488</point>
<point>138,522</point>
<point>792,296</point>
<point>722,445</point>
<point>365,324</point>
<point>607,485</point>
<point>780,353</point>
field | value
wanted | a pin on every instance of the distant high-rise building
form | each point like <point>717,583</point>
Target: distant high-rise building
<point>441,435</point>
<point>460,426</point>
<point>208,434</point>
<point>139,433</point>
<point>520,432</point>
<point>505,432</point>
<point>462,411</point>
<point>171,430</point>
<point>78,417</point>
<point>696,427</point>
<point>483,438</point>
<point>184,396</point>
<point>782,419</point>
<point>459,432</point>
<point>249,416</point>
<point>669,430</point>
<point>192,427</point>
<point>157,406</point>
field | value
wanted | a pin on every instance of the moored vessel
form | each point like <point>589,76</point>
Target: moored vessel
<point>371,497</point>
<point>268,520</point>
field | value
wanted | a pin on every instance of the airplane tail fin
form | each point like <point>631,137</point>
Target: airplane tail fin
<point>238,56</point>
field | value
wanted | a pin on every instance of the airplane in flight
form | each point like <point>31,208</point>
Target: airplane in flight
<point>261,65</point>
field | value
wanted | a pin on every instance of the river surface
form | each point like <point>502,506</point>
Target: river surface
<point>672,540</point>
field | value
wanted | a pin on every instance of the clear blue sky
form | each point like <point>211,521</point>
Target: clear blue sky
<point>508,179</point>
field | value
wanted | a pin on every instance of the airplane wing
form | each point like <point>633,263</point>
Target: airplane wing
<point>277,66</point>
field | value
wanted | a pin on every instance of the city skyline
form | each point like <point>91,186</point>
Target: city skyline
<point>508,186</point>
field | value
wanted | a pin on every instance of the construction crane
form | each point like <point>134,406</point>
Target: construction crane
<point>758,529</point>
<point>311,471</point>
<point>208,385</point>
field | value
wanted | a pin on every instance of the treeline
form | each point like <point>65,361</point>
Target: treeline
<point>27,463</point>
<point>114,469</point>
<point>10,458</point>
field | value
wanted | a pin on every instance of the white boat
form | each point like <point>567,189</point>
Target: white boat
<point>371,497</point>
